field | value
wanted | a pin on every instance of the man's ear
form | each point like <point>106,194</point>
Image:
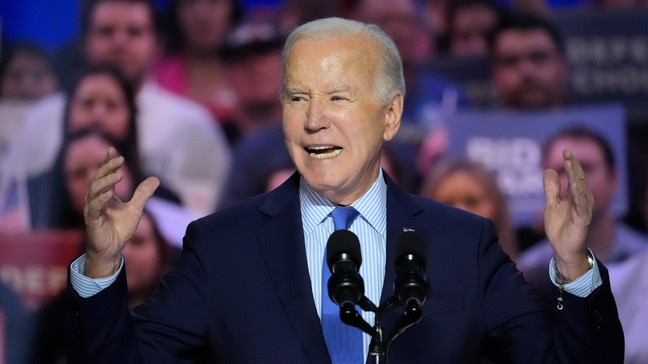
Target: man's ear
<point>393,114</point>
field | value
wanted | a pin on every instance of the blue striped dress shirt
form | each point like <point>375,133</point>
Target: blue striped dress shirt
<point>370,226</point>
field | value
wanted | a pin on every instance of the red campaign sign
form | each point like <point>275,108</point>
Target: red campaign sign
<point>35,264</point>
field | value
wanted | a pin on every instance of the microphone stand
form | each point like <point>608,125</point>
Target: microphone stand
<point>379,347</point>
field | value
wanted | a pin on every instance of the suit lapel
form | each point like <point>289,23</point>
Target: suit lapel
<point>281,242</point>
<point>401,212</point>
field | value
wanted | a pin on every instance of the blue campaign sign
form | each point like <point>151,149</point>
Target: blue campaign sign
<point>510,143</point>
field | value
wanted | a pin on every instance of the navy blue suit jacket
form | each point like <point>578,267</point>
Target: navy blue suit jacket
<point>241,293</point>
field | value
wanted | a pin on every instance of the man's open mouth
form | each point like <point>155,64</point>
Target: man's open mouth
<point>323,152</point>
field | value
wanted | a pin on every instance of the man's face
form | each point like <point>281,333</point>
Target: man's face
<point>256,79</point>
<point>601,181</point>
<point>470,28</point>
<point>204,22</point>
<point>528,70</point>
<point>334,125</point>
<point>121,34</point>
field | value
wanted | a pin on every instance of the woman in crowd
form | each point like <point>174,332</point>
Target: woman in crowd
<point>147,257</point>
<point>470,186</point>
<point>192,65</point>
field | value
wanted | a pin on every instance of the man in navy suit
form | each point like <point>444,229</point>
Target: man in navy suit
<point>248,285</point>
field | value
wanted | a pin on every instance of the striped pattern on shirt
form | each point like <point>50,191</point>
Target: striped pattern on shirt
<point>370,227</point>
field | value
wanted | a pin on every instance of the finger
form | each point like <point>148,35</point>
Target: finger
<point>575,174</point>
<point>104,184</point>
<point>96,206</point>
<point>579,191</point>
<point>110,154</point>
<point>551,186</point>
<point>110,166</point>
<point>143,192</point>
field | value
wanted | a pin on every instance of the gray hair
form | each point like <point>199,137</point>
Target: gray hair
<point>389,77</point>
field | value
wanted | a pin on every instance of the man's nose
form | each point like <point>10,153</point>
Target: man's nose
<point>316,117</point>
<point>120,37</point>
<point>526,66</point>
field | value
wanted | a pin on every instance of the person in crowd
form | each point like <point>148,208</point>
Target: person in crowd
<point>435,17</point>
<point>610,239</point>
<point>250,277</point>
<point>101,98</point>
<point>629,280</point>
<point>179,141</point>
<point>252,53</point>
<point>529,67</point>
<point>79,161</point>
<point>192,65</point>
<point>26,73</point>
<point>470,186</point>
<point>149,257</point>
<point>470,23</point>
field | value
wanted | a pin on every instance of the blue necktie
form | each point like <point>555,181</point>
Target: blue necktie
<point>344,342</point>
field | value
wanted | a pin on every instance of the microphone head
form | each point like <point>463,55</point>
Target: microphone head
<point>410,242</point>
<point>411,287</point>
<point>343,246</point>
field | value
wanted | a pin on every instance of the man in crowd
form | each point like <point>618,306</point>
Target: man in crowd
<point>529,67</point>
<point>610,239</point>
<point>249,285</point>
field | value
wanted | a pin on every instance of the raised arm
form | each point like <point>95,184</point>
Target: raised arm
<point>109,221</point>
<point>567,218</point>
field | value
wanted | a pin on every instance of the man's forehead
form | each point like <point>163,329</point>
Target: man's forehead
<point>524,37</point>
<point>111,11</point>
<point>585,149</point>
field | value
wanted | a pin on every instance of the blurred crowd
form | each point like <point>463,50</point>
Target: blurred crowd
<point>188,92</point>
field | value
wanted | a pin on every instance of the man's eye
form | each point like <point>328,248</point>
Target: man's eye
<point>106,31</point>
<point>337,98</point>
<point>296,99</point>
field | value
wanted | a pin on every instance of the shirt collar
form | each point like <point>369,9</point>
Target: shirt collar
<point>371,206</point>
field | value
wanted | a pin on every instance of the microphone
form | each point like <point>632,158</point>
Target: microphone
<point>346,286</point>
<point>343,257</point>
<point>411,288</point>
